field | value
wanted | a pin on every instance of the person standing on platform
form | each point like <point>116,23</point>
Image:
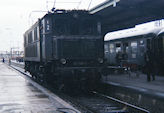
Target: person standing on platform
<point>149,65</point>
<point>9,61</point>
<point>118,58</point>
<point>3,60</point>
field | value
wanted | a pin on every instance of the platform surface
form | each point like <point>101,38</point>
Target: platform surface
<point>138,83</point>
<point>18,95</point>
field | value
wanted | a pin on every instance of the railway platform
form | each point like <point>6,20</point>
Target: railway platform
<point>18,94</point>
<point>138,82</point>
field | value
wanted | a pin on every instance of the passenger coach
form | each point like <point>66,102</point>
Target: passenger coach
<point>131,43</point>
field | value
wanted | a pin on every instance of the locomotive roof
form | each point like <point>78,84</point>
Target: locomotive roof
<point>68,13</point>
<point>131,33</point>
<point>73,13</point>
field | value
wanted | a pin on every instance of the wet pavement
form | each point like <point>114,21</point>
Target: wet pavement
<point>18,95</point>
<point>136,90</point>
<point>139,83</point>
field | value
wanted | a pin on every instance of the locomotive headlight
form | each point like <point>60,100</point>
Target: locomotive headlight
<point>100,60</point>
<point>63,61</point>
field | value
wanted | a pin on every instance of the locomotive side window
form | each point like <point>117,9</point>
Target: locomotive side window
<point>38,33</point>
<point>35,34</point>
<point>30,37</point>
<point>25,40</point>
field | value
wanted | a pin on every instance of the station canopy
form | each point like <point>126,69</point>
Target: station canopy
<point>122,14</point>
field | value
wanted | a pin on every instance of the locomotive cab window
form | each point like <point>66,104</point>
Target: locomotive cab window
<point>77,26</point>
<point>74,26</point>
<point>60,26</point>
<point>88,27</point>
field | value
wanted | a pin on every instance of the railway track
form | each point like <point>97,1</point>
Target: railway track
<point>94,102</point>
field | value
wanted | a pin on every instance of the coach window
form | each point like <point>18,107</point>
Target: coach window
<point>141,47</point>
<point>125,47</point>
<point>118,47</point>
<point>111,48</point>
<point>141,42</point>
<point>134,47</point>
<point>106,48</point>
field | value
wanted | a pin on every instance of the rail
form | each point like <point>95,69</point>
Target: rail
<point>122,102</point>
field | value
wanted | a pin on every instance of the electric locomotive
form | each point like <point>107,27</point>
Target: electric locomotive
<point>65,47</point>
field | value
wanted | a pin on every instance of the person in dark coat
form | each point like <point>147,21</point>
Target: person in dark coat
<point>118,58</point>
<point>149,66</point>
<point>3,60</point>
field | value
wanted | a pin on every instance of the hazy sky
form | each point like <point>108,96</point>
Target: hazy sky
<point>16,16</point>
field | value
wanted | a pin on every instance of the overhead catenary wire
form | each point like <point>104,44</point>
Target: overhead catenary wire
<point>89,5</point>
<point>36,11</point>
<point>54,3</point>
<point>79,4</point>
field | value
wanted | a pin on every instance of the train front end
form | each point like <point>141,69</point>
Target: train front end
<point>78,49</point>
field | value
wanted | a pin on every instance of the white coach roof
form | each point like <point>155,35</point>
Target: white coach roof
<point>131,32</point>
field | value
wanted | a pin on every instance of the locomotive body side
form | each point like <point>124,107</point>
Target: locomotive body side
<point>32,44</point>
<point>32,48</point>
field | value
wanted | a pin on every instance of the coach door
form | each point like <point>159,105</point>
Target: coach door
<point>133,53</point>
<point>125,50</point>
